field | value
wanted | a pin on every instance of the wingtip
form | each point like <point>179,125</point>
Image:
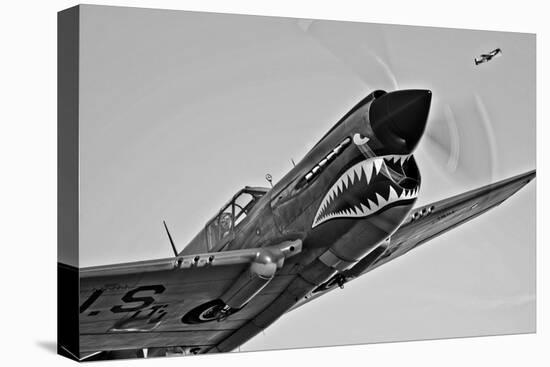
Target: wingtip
<point>530,174</point>
<point>523,178</point>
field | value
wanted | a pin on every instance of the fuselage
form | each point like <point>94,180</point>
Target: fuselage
<point>352,189</point>
<point>345,198</point>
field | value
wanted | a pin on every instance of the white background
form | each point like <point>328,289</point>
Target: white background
<point>28,185</point>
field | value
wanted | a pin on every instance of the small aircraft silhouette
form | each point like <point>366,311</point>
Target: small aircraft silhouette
<point>488,56</point>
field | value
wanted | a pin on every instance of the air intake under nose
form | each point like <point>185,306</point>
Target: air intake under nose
<point>399,118</point>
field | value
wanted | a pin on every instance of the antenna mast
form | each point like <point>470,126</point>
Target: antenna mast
<point>170,238</point>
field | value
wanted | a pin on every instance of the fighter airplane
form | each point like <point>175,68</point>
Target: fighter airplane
<point>345,209</point>
<point>488,56</point>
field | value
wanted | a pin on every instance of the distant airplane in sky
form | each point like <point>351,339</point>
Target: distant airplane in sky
<point>488,56</point>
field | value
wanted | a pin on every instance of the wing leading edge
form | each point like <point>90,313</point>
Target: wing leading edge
<point>142,304</point>
<point>430,221</point>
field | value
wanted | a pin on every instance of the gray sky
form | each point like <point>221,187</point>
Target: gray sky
<point>179,110</point>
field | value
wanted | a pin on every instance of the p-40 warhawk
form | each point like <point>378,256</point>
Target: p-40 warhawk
<point>343,210</point>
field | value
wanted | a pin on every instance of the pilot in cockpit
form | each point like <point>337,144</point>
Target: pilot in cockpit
<point>226,220</point>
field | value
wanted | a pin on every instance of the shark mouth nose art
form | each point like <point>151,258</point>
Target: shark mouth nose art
<point>367,187</point>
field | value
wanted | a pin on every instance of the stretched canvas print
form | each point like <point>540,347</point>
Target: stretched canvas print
<point>236,183</point>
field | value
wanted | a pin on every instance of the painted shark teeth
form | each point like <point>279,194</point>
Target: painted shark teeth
<point>365,170</point>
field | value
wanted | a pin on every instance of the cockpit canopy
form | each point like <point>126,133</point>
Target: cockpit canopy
<point>220,229</point>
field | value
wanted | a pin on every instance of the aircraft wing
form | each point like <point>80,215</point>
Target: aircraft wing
<point>141,304</point>
<point>434,219</point>
<point>428,222</point>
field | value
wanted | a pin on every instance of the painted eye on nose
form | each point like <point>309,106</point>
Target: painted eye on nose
<point>359,140</point>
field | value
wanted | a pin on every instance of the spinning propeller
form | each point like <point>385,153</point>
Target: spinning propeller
<point>459,141</point>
